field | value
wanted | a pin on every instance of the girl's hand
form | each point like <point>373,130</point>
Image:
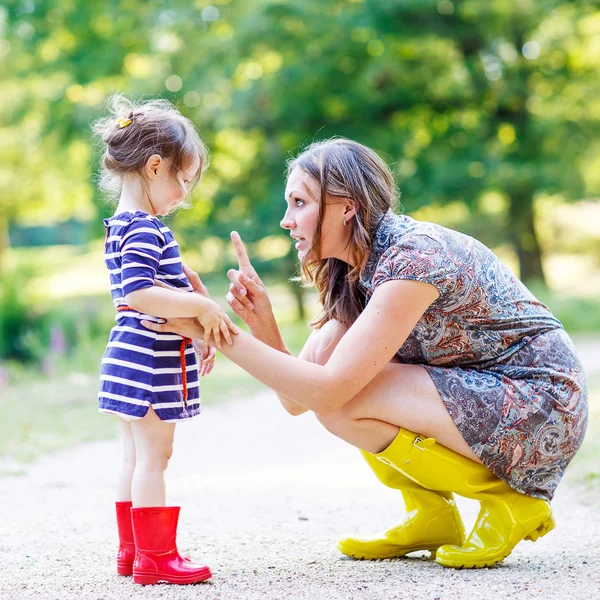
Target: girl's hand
<point>215,322</point>
<point>247,294</point>
<point>206,356</point>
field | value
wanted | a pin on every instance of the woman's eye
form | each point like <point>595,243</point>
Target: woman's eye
<point>299,202</point>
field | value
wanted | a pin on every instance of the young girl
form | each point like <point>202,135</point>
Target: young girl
<point>153,158</point>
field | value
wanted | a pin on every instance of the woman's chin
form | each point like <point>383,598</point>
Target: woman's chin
<point>305,257</point>
<point>303,254</point>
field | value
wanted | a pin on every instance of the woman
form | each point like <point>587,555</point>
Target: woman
<point>422,330</point>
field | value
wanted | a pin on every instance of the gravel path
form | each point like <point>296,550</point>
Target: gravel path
<point>264,498</point>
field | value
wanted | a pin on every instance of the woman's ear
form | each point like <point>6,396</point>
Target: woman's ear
<point>153,166</point>
<point>349,211</point>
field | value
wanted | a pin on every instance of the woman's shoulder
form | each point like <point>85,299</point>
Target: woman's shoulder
<point>401,233</point>
<point>404,247</point>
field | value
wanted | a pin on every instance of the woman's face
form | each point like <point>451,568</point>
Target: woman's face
<point>303,197</point>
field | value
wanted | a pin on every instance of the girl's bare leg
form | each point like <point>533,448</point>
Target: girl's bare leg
<point>153,440</point>
<point>127,462</point>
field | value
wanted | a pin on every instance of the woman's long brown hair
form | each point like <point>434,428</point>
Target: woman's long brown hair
<point>345,169</point>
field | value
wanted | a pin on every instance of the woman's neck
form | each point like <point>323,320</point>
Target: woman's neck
<point>348,256</point>
<point>133,197</point>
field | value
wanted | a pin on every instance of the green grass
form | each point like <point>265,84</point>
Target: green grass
<point>50,414</point>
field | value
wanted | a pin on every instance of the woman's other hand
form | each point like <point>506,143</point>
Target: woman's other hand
<point>247,294</point>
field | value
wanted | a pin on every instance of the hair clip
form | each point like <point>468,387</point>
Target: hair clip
<point>122,123</point>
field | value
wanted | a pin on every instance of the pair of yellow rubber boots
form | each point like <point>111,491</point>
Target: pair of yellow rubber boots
<point>427,473</point>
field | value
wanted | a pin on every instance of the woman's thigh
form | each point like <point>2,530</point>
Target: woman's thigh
<point>400,396</point>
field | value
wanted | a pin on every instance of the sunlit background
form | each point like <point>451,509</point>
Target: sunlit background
<point>488,112</point>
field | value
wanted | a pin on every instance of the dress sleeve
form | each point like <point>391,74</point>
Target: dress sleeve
<point>141,250</point>
<point>418,258</point>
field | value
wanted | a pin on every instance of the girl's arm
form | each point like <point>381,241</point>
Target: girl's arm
<point>162,302</point>
<point>168,303</point>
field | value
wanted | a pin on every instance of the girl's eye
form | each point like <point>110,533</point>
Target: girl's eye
<point>299,202</point>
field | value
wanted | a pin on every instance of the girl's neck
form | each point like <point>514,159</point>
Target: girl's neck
<point>133,197</point>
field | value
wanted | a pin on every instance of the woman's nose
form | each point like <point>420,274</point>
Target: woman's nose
<point>286,222</point>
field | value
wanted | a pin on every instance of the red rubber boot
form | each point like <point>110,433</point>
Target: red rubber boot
<point>126,552</point>
<point>157,558</point>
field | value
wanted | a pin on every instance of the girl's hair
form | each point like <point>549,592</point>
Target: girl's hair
<point>133,132</point>
<point>345,169</point>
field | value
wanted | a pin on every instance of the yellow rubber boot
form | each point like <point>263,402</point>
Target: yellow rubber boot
<point>431,520</point>
<point>506,516</point>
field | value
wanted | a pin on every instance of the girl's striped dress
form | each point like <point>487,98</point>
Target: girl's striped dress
<point>141,367</point>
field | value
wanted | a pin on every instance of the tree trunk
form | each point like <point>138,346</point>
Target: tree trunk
<point>524,237</point>
<point>4,242</point>
<point>295,287</point>
<point>299,296</point>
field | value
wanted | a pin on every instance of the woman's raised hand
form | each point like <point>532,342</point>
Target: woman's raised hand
<point>247,294</point>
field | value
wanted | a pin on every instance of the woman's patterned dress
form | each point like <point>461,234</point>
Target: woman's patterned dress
<point>503,364</point>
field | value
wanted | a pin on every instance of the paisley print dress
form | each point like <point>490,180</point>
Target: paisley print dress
<point>504,366</point>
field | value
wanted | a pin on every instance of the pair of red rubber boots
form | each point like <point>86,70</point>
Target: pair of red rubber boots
<point>148,546</point>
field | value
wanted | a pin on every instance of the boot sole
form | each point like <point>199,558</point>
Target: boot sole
<point>153,578</point>
<point>540,531</point>
<point>358,555</point>
<point>125,569</point>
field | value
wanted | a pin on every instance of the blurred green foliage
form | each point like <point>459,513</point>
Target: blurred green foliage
<point>486,110</point>
<point>463,98</point>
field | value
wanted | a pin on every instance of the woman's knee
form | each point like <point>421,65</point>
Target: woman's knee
<point>327,339</point>
<point>335,422</point>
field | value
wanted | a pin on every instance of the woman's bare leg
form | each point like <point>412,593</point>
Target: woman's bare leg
<point>154,446</point>
<point>127,463</point>
<point>400,396</point>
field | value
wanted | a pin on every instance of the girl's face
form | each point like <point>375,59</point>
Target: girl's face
<point>167,190</point>
<point>303,197</point>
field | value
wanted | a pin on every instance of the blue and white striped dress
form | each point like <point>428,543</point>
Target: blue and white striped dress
<point>141,367</point>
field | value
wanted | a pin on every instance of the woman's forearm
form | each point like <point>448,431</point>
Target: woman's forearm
<point>304,383</point>
<point>271,335</point>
